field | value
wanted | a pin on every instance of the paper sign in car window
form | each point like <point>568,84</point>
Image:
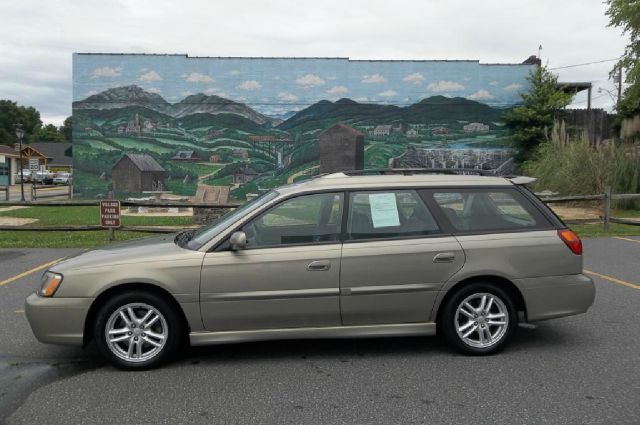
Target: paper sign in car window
<point>384,210</point>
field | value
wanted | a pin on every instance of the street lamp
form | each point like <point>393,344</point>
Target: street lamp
<point>20,136</point>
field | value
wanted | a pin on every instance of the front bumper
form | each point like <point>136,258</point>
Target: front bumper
<point>556,296</point>
<point>57,320</point>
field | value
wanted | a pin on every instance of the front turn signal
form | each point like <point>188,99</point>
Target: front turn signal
<point>50,283</point>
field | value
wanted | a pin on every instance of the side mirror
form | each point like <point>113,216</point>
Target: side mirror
<point>238,241</point>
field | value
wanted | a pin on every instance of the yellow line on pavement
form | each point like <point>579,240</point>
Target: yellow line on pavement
<point>28,272</point>
<point>626,239</point>
<point>612,279</point>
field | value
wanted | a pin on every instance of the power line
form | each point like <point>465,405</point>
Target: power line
<point>583,64</point>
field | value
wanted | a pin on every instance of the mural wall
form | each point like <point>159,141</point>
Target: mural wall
<point>208,126</point>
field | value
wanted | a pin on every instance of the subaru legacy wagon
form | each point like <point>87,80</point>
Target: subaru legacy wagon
<point>340,255</point>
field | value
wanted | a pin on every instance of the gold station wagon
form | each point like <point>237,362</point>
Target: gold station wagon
<point>400,252</point>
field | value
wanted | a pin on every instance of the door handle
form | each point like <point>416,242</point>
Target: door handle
<point>320,265</point>
<point>444,257</point>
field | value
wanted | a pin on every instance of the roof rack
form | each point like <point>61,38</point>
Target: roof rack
<point>412,171</point>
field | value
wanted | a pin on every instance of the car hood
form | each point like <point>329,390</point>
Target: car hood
<point>158,248</point>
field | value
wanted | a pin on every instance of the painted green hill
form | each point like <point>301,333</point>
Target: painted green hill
<point>219,121</point>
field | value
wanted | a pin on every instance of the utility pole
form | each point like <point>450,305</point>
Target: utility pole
<point>619,90</point>
<point>20,136</point>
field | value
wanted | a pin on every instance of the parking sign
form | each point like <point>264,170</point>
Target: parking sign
<point>110,213</point>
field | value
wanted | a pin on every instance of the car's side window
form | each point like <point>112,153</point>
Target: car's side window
<point>315,218</point>
<point>474,210</point>
<point>388,214</point>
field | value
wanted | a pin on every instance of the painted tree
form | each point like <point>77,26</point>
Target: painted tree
<point>625,14</point>
<point>533,119</point>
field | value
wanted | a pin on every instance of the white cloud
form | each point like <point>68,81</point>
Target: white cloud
<point>332,77</point>
<point>250,85</point>
<point>197,77</point>
<point>493,83</point>
<point>373,79</point>
<point>186,93</point>
<point>444,86</point>
<point>287,97</point>
<point>415,78</point>
<point>106,71</point>
<point>309,80</point>
<point>387,93</point>
<point>513,87</point>
<point>150,76</point>
<point>91,93</point>
<point>234,72</point>
<point>361,99</point>
<point>153,90</point>
<point>481,95</point>
<point>212,90</point>
<point>338,90</point>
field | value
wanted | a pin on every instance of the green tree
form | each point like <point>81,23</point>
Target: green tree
<point>48,133</point>
<point>11,115</point>
<point>531,121</point>
<point>66,129</point>
<point>625,14</point>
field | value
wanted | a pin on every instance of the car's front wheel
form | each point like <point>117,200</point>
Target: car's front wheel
<point>478,319</point>
<point>138,330</point>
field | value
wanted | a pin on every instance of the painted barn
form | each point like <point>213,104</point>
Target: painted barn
<point>137,173</point>
<point>341,149</point>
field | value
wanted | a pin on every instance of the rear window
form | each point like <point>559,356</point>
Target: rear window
<point>479,210</point>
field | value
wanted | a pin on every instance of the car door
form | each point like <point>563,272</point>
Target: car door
<point>287,277</point>
<point>394,259</point>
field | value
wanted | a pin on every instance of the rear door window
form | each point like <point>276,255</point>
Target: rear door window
<point>388,214</point>
<point>483,210</point>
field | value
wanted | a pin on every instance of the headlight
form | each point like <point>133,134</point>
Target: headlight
<point>50,282</point>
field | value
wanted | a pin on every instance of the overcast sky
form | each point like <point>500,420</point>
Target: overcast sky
<point>38,37</point>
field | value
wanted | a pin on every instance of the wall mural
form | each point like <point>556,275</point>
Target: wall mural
<point>214,127</point>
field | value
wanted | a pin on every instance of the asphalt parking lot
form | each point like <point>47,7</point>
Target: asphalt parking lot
<point>578,370</point>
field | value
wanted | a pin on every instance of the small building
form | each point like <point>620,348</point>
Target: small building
<point>185,156</point>
<point>440,131</point>
<point>341,149</point>
<point>241,153</point>
<point>382,130</point>
<point>56,156</point>
<point>9,170</point>
<point>137,173</point>
<point>244,175</point>
<point>411,133</point>
<point>475,127</point>
<point>215,158</point>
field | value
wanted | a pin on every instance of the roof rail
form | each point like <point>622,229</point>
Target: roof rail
<point>412,171</point>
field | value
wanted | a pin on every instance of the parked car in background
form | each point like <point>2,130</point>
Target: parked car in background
<point>26,175</point>
<point>62,178</point>
<point>338,256</point>
<point>43,177</point>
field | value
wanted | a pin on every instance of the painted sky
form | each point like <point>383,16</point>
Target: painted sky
<point>276,86</point>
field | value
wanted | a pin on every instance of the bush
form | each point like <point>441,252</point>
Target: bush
<point>576,168</point>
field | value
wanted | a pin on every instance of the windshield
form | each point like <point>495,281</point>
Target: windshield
<point>213,229</point>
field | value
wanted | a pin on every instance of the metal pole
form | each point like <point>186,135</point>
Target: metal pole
<point>619,90</point>
<point>21,172</point>
<point>607,207</point>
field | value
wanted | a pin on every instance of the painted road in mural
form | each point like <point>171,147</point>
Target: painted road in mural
<point>171,123</point>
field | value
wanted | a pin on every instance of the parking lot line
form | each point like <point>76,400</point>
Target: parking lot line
<point>626,239</point>
<point>612,279</point>
<point>28,272</point>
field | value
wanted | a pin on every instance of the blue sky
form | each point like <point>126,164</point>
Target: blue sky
<point>275,86</point>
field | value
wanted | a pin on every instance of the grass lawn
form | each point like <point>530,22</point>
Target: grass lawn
<point>69,216</point>
<point>596,230</point>
<point>84,239</point>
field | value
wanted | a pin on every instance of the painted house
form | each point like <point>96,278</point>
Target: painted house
<point>215,158</point>
<point>382,130</point>
<point>185,156</point>
<point>137,173</point>
<point>244,175</point>
<point>475,127</point>
<point>241,153</point>
<point>411,133</point>
<point>440,131</point>
<point>341,149</point>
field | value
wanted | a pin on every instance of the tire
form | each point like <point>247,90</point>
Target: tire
<point>153,342</point>
<point>466,327</point>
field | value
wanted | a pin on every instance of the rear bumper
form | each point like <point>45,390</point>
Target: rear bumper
<point>57,320</point>
<point>556,296</point>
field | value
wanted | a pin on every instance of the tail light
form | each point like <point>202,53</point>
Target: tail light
<point>571,240</point>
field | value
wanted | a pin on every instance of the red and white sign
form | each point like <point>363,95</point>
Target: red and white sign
<point>110,213</point>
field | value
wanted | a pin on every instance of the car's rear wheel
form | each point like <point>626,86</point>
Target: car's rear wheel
<point>479,319</point>
<point>138,330</point>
